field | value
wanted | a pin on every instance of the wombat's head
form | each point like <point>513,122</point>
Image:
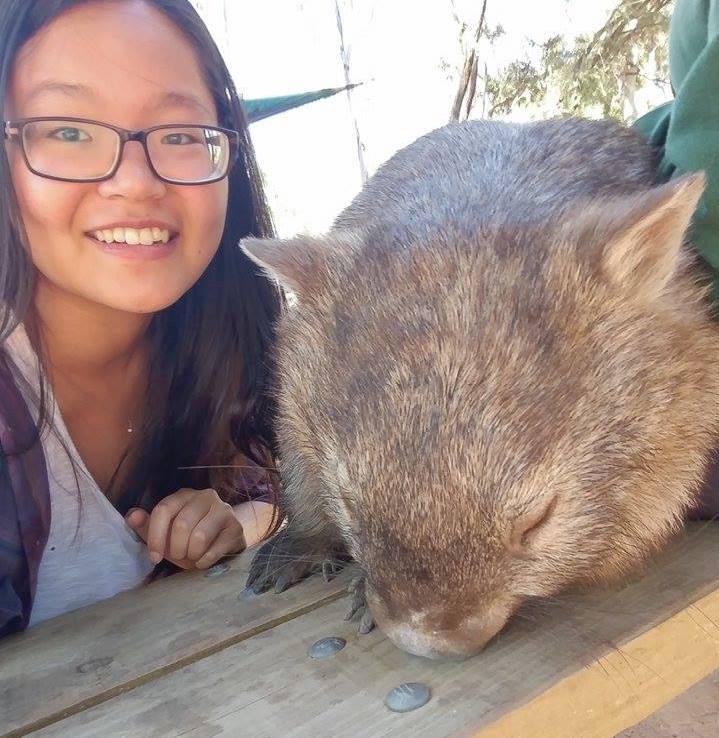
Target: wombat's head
<point>492,416</point>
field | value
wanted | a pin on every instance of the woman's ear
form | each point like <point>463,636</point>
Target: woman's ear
<point>299,263</point>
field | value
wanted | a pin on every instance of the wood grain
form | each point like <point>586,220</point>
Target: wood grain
<point>87,656</point>
<point>267,686</point>
<point>646,673</point>
<point>694,714</point>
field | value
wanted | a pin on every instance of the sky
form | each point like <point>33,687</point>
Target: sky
<point>406,54</point>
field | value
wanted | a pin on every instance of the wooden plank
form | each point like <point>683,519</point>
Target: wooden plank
<point>87,656</point>
<point>267,686</point>
<point>694,714</point>
<point>647,672</point>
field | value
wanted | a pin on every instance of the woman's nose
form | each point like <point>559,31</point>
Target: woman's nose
<point>134,179</point>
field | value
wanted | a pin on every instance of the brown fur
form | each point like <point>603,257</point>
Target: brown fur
<point>500,379</point>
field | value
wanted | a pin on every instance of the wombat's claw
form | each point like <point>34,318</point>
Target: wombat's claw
<point>366,623</point>
<point>286,578</point>
<point>330,569</point>
<point>358,607</point>
<point>356,589</point>
<point>277,565</point>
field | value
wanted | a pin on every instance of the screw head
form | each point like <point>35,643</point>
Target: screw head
<point>216,570</point>
<point>407,697</point>
<point>326,648</point>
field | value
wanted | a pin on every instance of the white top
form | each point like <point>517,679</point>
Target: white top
<point>91,553</point>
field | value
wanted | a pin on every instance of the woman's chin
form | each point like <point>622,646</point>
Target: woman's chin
<point>139,302</point>
<point>144,307</point>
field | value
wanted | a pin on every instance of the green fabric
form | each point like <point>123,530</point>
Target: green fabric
<point>686,130</point>
<point>264,107</point>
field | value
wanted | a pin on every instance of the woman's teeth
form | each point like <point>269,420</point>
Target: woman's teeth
<point>133,236</point>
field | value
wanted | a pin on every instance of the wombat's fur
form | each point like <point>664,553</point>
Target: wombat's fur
<point>501,378</point>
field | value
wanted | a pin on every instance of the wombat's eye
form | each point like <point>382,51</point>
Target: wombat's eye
<point>525,527</point>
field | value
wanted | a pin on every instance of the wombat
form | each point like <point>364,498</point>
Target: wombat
<point>501,377</point>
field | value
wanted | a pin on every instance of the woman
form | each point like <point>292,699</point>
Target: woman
<point>134,366</point>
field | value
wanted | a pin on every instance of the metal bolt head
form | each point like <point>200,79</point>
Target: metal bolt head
<point>326,648</point>
<point>407,697</point>
<point>216,570</point>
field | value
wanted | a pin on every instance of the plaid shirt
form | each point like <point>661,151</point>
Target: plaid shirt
<point>24,506</point>
<point>25,503</point>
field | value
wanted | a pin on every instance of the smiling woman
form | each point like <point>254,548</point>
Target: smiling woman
<point>134,371</point>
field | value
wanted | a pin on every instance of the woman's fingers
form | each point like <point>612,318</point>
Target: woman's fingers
<point>139,521</point>
<point>219,517</point>
<point>161,519</point>
<point>230,540</point>
<point>187,521</point>
<point>191,528</point>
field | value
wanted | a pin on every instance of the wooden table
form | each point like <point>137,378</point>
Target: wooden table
<point>186,657</point>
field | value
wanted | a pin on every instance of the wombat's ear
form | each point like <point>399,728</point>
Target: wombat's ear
<point>297,263</point>
<point>644,248</point>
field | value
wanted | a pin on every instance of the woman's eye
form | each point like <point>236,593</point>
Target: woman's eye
<point>71,135</point>
<point>179,139</point>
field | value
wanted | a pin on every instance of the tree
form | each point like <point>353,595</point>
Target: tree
<point>468,80</point>
<point>470,42</point>
<point>599,73</point>
<point>345,57</point>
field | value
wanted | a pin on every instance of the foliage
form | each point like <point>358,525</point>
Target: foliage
<point>598,73</point>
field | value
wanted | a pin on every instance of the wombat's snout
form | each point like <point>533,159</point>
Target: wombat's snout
<point>438,632</point>
<point>461,642</point>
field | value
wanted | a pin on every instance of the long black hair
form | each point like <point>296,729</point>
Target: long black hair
<point>210,374</point>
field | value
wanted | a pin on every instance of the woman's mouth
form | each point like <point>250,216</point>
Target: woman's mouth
<point>150,242</point>
<point>133,236</point>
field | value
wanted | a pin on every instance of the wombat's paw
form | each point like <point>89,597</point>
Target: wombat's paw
<point>358,607</point>
<point>279,563</point>
<point>332,567</point>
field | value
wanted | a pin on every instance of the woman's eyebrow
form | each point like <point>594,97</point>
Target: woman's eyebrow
<point>168,99</point>
<point>65,88</point>
<point>174,99</point>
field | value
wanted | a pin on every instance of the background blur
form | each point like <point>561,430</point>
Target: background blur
<point>422,63</point>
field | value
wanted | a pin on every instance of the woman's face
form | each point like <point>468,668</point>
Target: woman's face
<point>126,64</point>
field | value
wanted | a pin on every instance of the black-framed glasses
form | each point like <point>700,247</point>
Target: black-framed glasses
<point>82,150</point>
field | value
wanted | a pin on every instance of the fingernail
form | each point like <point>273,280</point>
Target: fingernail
<point>155,557</point>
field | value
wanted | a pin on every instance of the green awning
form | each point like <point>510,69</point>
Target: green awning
<point>264,107</point>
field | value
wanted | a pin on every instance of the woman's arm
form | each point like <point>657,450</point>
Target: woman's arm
<point>256,519</point>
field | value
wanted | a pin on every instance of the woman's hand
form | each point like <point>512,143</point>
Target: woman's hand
<point>191,528</point>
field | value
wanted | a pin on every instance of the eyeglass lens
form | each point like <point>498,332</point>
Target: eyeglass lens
<point>73,150</point>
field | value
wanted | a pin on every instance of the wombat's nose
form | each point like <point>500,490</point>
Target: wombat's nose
<point>441,629</point>
<point>461,642</point>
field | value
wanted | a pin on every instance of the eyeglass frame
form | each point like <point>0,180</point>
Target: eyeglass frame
<point>13,132</point>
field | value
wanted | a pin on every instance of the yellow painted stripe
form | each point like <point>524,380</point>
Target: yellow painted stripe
<point>623,688</point>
